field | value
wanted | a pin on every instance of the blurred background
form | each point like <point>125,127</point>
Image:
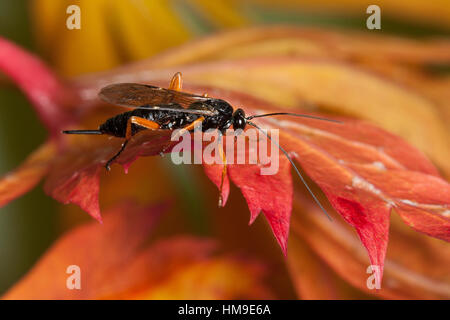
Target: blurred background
<point>119,31</point>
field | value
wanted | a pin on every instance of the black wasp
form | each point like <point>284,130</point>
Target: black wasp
<point>170,109</point>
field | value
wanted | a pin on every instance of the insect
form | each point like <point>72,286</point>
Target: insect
<point>170,109</point>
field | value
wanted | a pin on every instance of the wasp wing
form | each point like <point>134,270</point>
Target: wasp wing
<point>134,95</point>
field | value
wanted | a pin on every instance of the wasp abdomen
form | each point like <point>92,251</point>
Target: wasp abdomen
<point>117,126</point>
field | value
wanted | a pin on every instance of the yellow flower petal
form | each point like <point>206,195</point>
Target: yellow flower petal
<point>222,13</point>
<point>143,28</point>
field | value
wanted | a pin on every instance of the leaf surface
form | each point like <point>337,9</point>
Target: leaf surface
<point>116,262</point>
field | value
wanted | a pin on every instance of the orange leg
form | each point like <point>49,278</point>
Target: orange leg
<point>133,120</point>
<point>189,127</point>
<point>177,82</point>
<point>140,122</point>
<point>224,169</point>
<point>192,126</point>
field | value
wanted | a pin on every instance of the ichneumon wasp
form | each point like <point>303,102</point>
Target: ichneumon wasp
<point>170,109</point>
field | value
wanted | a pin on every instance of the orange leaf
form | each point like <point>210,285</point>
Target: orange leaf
<point>416,265</point>
<point>27,175</point>
<point>116,263</point>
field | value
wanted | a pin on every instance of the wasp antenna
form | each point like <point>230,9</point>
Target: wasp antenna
<point>82,132</point>
<point>296,169</point>
<point>291,114</point>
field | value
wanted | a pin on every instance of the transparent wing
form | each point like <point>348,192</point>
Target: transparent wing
<point>134,95</point>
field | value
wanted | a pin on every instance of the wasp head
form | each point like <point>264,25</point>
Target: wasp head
<point>239,121</point>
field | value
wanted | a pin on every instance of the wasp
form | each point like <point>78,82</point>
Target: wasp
<point>171,109</point>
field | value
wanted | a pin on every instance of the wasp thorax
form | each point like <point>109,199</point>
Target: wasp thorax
<point>239,121</point>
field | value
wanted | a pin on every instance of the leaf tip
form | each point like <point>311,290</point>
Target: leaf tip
<point>253,215</point>
<point>282,242</point>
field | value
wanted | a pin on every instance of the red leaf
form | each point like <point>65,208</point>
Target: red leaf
<point>82,188</point>
<point>44,89</point>
<point>363,170</point>
<point>271,194</point>
<point>371,223</point>
<point>75,176</point>
<point>359,167</point>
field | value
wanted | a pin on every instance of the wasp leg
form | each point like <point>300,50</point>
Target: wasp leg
<point>147,124</point>
<point>144,123</point>
<point>177,82</point>
<point>224,169</point>
<point>192,126</point>
<point>189,127</point>
<point>108,164</point>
